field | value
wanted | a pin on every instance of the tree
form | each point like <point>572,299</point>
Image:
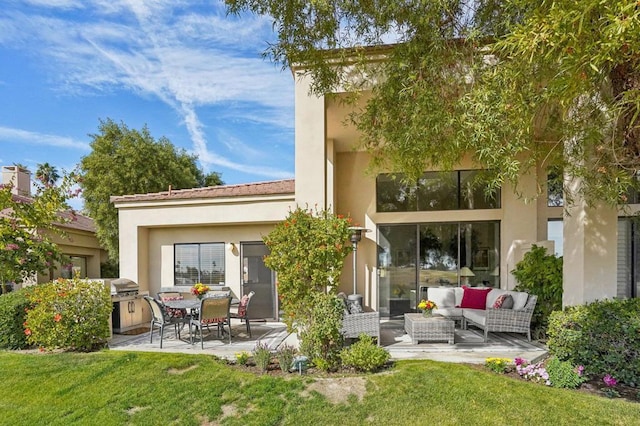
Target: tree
<point>513,83</point>
<point>128,161</point>
<point>27,225</point>
<point>47,174</point>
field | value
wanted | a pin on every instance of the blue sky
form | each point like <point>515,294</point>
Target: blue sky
<point>182,67</point>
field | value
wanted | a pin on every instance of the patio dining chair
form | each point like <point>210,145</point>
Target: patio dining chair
<point>164,296</point>
<point>242,311</point>
<point>213,310</point>
<point>160,318</point>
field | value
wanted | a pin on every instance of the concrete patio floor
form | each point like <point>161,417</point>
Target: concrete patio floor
<point>468,347</point>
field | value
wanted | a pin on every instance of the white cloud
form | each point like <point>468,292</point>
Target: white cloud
<point>59,4</point>
<point>188,58</point>
<point>12,135</point>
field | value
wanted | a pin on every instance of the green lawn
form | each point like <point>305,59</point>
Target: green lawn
<point>114,388</point>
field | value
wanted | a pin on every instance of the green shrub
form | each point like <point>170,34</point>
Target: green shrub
<point>540,273</point>
<point>69,314</point>
<point>242,357</point>
<point>262,356</point>
<point>602,336</point>
<point>497,365</point>
<point>364,355</point>
<point>321,338</point>
<point>13,307</point>
<point>285,355</point>
<point>563,374</point>
<point>307,252</point>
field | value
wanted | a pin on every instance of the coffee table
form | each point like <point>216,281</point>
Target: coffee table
<point>431,329</point>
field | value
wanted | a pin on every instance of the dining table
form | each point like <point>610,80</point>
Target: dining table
<point>192,305</point>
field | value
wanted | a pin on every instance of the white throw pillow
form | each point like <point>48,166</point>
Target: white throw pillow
<point>443,297</point>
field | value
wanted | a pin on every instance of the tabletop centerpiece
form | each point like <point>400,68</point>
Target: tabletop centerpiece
<point>199,290</point>
<point>427,307</point>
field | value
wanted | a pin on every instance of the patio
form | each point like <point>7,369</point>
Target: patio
<point>468,347</point>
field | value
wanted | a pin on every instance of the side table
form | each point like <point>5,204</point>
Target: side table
<point>431,329</point>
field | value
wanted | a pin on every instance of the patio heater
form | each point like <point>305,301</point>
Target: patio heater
<point>356,237</point>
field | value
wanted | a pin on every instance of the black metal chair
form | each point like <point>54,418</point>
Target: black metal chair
<point>243,311</point>
<point>213,310</point>
<point>160,318</point>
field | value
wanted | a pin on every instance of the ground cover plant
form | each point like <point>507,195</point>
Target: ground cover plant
<point>113,388</point>
<point>601,336</point>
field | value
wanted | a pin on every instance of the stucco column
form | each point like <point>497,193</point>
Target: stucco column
<point>590,250</point>
<point>310,152</point>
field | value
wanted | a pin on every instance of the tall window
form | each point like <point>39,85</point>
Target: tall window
<point>434,191</point>
<point>199,263</point>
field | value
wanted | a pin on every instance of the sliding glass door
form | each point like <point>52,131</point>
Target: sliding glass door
<point>413,257</point>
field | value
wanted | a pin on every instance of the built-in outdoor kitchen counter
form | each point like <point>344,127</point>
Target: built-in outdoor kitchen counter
<point>130,310</point>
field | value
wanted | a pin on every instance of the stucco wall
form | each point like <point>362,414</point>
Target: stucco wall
<point>148,233</point>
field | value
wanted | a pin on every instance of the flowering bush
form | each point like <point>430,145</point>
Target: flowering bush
<point>69,314</point>
<point>307,252</point>
<point>27,230</point>
<point>13,308</point>
<point>242,357</point>
<point>199,289</point>
<point>497,365</point>
<point>532,372</point>
<point>427,305</point>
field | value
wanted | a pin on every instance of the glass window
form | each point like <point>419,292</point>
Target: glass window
<point>555,196</point>
<point>202,262</point>
<point>473,194</point>
<point>413,257</point>
<point>437,191</point>
<point>393,195</point>
<point>554,233</point>
<point>434,191</point>
<point>79,266</point>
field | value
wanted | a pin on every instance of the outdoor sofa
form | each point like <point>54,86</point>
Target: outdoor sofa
<point>490,309</point>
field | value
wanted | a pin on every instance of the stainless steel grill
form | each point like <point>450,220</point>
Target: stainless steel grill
<point>124,287</point>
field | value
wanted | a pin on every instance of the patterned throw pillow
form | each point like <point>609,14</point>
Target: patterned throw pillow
<point>242,307</point>
<point>354,307</point>
<point>504,301</point>
<point>213,320</point>
<point>176,313</point>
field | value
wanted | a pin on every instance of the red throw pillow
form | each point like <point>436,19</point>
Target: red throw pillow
<point>474,298</point>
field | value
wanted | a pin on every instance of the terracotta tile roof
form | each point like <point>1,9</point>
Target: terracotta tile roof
<point>240,190</point>
<point>78,221</point>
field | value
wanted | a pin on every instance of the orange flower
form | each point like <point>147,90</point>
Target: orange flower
<point>27,331</point>
<point>57,317</point>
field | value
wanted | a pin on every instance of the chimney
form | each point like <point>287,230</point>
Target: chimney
<point>19,178</point>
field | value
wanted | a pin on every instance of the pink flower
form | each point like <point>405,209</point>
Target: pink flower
<point>27,331</point>
<point>12,246</point>
<point>609,380</point>
<point>580,370</point>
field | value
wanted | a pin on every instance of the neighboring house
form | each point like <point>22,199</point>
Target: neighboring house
<point>80,244</point>
<point>449,234</point>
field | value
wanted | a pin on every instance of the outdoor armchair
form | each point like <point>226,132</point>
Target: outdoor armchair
<point>213,310</point>
<point>160,318</point>
<point>243,310</point>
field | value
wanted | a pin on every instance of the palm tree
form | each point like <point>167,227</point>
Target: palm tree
<point>47,174</point>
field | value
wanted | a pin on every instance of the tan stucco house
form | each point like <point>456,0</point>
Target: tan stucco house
<point>79,244</point>
<point>448,235</point>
